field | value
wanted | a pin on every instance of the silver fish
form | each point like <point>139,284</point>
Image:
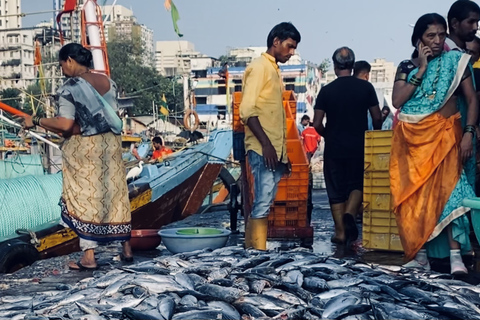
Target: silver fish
<point>166,307</point>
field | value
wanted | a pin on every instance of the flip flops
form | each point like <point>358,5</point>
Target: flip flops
<point>81,267</point>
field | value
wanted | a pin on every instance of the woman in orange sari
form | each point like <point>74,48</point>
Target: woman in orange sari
<point>435,93</point>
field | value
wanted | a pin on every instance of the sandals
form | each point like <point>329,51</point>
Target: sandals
<point>81,267</point>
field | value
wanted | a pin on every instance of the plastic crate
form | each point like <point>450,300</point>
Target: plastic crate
<point>288,214</point>
<point>238,146</point>
<point>380,231</point>
<point>377,150</point>
<point>292,193</point>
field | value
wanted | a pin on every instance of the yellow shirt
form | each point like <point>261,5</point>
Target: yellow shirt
<point>263,98</point>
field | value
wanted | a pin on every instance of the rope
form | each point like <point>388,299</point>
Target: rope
<point>19,196</point>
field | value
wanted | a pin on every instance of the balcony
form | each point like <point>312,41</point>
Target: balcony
<point>11,62</point>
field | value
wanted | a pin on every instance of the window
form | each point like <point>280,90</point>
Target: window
<point>11,54</point>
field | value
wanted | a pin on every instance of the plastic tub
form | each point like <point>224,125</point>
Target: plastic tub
<point>190,239</point>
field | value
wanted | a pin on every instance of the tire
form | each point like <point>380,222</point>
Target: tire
<point>16,254</point>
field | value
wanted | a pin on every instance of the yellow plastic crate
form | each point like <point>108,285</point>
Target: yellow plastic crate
<point>377,150</point>
<point>380,230</point>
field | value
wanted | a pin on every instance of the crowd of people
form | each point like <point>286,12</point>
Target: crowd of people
<point>434,135</point>
<point>434,146</point>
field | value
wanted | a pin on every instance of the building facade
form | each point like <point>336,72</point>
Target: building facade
<point>16,47</point>
<point>214,96</point>
<point>174,57</point>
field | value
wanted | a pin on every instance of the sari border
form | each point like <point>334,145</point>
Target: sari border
<point>457,213</point>
<point>462,65</point>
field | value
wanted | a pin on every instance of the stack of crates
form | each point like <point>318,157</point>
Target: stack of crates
<point>288,216</point>
<point>380,230</point>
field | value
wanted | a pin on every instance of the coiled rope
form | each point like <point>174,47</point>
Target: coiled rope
<point>29,201</point>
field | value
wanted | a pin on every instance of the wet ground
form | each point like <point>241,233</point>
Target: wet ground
<point>48,274</point>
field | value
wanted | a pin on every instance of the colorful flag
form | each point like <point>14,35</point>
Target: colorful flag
<point>163,106</point>
<point>170,6</point>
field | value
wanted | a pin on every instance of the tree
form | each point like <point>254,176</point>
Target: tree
<point>11,96</point>
<point>140,81</point>
<point>324,66</point>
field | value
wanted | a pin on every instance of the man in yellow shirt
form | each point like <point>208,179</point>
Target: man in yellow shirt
<point>262,112</point>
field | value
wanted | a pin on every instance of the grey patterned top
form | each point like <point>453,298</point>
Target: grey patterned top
<point>78,100</point>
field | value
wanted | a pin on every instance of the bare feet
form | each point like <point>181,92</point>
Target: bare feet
<point>127,254</point>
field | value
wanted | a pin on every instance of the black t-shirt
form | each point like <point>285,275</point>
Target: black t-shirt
<point>346,102</point>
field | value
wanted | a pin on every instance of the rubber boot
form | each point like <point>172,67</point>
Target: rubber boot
<point>258,231</point>
<point>337,213</point>
<point>248,234</point>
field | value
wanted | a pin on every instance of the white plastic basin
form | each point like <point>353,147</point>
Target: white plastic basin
<point>190,239</point>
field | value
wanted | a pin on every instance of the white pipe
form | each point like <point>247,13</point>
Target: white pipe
<point>33,134</point>
<point>93,32</point>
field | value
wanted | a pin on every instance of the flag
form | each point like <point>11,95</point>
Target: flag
<point>39,67</point>
<point>170,6</point>
<point>163,106</point>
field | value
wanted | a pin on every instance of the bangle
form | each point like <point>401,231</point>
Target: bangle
<point>415,81</point>
<point>470,128</point>
<point>36,120</point>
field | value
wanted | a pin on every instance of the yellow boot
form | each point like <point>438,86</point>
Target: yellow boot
<point>258,231</point>
<point>248,234</point>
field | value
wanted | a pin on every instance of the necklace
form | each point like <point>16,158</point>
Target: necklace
<point>78,75</point>
<point>431,95</point>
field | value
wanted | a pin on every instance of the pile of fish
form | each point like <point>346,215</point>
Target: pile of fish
<point>233,283</point>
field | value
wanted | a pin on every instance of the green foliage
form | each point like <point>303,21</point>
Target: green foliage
<point>11,96</point>
<point>143,82</point>
<point>324,66</point>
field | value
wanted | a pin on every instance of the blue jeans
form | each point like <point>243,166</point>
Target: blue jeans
<point>265,184</point>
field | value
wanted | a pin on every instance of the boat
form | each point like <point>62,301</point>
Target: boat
<point>164,192</point>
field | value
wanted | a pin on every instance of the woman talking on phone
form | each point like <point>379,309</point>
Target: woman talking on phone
<point>431,143</point>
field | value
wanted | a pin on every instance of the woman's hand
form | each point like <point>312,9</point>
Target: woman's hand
<point>25,121</point>
<point>423,53</point>
<point>466,146</point>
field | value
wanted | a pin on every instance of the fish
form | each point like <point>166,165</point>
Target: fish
<point>338,305</point>
<point>185,281</point>
<point>220,293</point>
<point>188,300</point>
<point>198,315</point>
<point>228,311</point>
<point>251,262</point>
<point>166,307</point>
<point>133,314</point>
<point>249,309</point>
<point>285,296</point>
<point>315,284</point>
<point>294,276</point>
<point>223,282</point>
<point>344,282</point>
<point>257,286</point>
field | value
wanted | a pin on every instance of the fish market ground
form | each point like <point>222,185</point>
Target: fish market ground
<point>49,272</point>
<point>52,275</point>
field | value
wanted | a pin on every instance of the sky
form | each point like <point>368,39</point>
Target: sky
<point>372,28</point>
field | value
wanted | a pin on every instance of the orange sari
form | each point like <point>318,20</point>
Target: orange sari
<point>424,169</point>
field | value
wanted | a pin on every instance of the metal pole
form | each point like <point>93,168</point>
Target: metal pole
<point>33,134</point>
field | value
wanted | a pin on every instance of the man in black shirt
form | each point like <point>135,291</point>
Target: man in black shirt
<point>345,103</point>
